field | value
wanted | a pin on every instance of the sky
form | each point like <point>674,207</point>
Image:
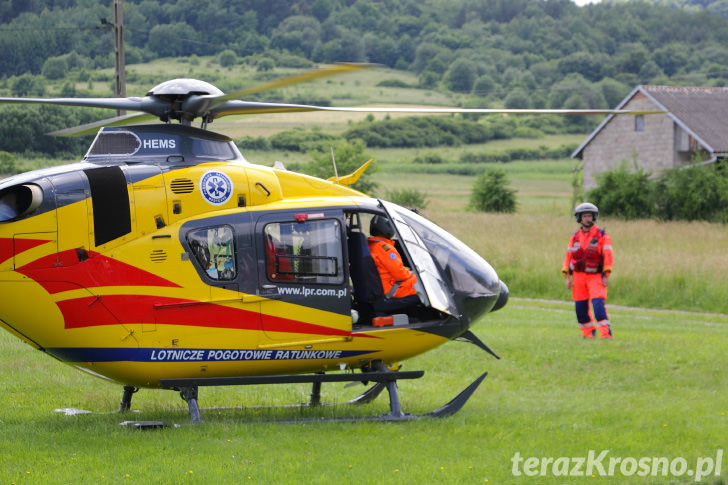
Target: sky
<point>584,2</point>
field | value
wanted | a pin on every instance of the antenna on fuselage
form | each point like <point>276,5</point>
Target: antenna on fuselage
<point>333,160</point>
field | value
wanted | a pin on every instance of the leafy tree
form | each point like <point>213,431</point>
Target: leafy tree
<point>321,9</point>
<point>381,49</point>
<point>632,59</point>
<point>577,122</point>
<point>298,34</point>
<point>349,47</point>
<point>671,58</point>
<point>227,58</point>
<point>564,93</point>
<point>68,90</point>
<point>428,79</point>
<point>517,99</point>
<point>172,40</point>
<point>424,54</point>
<point>491,194</point>
<point>28,85</point>
<point>461,76</point>
<point>55,68</point>
<point>613,91</point>
<point>649,71</point>
<point>75,61</point>
<point>484,85</point>
<point>26,132</point>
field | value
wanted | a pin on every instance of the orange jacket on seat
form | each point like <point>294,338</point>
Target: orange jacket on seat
<point>391,268</point>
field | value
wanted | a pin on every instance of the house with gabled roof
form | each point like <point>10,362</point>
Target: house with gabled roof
<point>671,127</point>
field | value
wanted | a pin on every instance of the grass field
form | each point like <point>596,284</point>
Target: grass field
<point>658,390</point>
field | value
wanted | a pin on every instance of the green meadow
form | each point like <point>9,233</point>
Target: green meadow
<point>650,406</point>
<point>652,403</point>
<point>658,390</point>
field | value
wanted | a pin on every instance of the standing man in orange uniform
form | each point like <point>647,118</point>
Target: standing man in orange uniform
<point>587,266</point>
<point>398,282</point>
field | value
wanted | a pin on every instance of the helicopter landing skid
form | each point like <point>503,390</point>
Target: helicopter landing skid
<point>383,377</point>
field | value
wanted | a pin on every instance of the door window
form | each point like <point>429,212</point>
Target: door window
<point>214,250</point>
<point>307,251</point>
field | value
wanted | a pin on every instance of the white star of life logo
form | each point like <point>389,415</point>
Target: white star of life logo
<point>216,187</point>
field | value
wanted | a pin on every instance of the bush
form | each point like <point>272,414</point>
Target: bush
<point>55,68</point>
<point>300,140</point>
<point>27,85</point>
<point>418,131</point>
<point>622,193</point>
<point>491,194</point>
<point>253,143</point>
<point>7,164</point>
<point>691,194</point>
<point>429,158</point>
<point>521,154</point>
<point>227,58</point>
<point>265,64</point>
<point>410,198</point>
<point>393,83</point>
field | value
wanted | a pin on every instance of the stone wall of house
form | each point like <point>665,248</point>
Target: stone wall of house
<point>651,149</point>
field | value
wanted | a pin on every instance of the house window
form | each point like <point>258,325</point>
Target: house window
<point>639,123</point>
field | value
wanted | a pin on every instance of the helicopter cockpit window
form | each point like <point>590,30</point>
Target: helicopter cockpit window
<point>308,252</point>
<point>212,149</point>
<point>214,250</point>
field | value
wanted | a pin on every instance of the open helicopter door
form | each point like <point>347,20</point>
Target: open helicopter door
<point>302,276</point>
<point>425,267</point>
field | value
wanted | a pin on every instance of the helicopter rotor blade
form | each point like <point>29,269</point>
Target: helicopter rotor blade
<point>203,104</point>
<point>248,107</point>
<point>181,99</point>
<point>92,128</point>
<point>310,75</point>
<point>131,104</point>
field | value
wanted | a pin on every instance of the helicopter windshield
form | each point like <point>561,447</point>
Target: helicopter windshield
<point>466,270</point>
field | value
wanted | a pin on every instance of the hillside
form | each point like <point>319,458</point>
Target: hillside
<point>523,53</point>
<point>501,53</point>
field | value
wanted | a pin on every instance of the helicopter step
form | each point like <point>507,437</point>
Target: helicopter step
<point>382,376</point>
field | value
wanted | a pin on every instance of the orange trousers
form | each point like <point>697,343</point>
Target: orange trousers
<point>587,286</point>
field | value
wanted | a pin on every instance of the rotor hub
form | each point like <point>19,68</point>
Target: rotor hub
<point>184,88</point>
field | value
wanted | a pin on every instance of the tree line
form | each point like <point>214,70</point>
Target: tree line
<point>523,53</point>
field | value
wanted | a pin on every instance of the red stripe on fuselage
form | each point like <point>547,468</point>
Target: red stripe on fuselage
<point>12,246</point>
<point>95,311</point>
<point>96,271</point>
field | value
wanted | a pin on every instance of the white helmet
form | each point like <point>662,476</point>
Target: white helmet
<point>586,207</point>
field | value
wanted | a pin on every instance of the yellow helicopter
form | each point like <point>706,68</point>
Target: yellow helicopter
<point>164,259</point>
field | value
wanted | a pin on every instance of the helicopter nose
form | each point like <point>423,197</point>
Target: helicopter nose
<point>502,297</point>
<point>474,305</point>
